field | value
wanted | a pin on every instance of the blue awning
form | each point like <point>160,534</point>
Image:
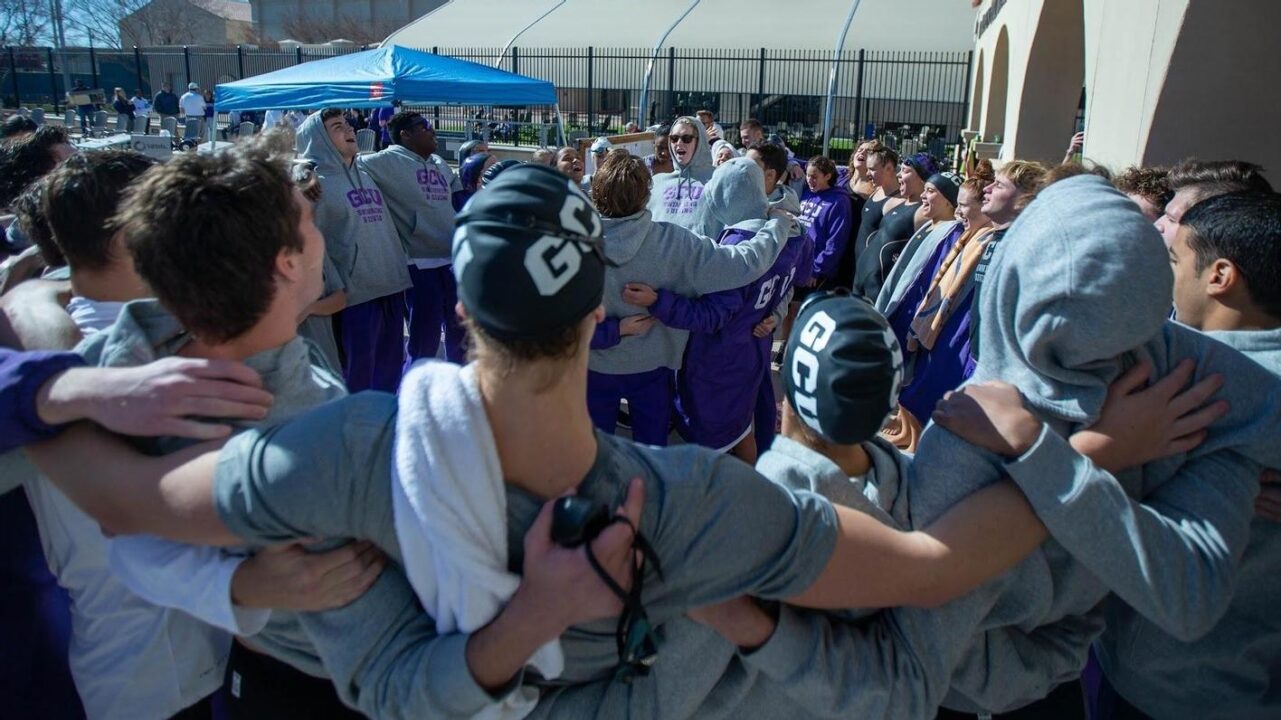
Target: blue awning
<point>377,78</point>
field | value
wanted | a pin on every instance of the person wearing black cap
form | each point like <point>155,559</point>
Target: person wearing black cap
<point>938,208</point>
<point>841,375</point>
<point>531,277</point>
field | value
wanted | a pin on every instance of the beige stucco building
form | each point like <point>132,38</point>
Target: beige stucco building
<point>188,22</point>
<point>1163,79</point>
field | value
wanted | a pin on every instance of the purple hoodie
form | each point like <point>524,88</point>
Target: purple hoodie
<point>826,217</point>
<point>724,363</point>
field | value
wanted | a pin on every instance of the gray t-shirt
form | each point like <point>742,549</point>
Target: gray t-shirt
<point>719,529</point>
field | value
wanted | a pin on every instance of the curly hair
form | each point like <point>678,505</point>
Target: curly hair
<point>620,187</point>
<point>1149,183</point>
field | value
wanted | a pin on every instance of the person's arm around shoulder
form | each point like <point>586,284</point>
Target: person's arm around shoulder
<point>1197,522</point>
<point>712,267</point>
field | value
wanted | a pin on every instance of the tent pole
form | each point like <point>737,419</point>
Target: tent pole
<point>649,69</point>
<point>560,124</point>
<point>831,78</point>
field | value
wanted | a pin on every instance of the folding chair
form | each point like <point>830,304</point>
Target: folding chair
<point>365,140</point>
<point>247,129</point>
<point>171,124</point>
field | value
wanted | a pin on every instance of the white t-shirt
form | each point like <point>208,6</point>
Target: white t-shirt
<point>140,105</point>
<point>192,103</point>
<point>128,658</point>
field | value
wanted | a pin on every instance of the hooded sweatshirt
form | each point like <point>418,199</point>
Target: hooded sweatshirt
<point>724,362</point>
<point>667,256</point>
<point>352,215</point>
<point>827,217</point>
<point>675,196</point>
<point>1078,293</point>
<point>165,572</point>
<point>418,193</point>
<point>1166,677</point>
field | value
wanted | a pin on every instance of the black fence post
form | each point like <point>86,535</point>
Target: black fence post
<point>186,62</point>
<point>966,89</point>
<point>137,66</point>
<point>435,50</point>
<point>13,73</point>
<point>760,88</point>
<point>240,60</point>
<point>516,60</point>
<point>858,100</point>
<point>53,83</point>
<point>93,66</point>
<point>298,55</point>
<point>591,91</point>
<point>671,82</point>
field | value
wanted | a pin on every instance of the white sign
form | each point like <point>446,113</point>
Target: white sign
<point>156,146</point>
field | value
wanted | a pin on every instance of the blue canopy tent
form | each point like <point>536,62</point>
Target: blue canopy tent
<point>377,78</point>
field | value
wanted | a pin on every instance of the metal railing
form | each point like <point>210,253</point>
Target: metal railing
<point>599,89</point>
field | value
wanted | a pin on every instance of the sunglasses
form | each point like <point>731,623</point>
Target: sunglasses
<point>682,138</point>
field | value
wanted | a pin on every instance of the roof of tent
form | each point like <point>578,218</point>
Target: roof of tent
<point>375,78</point>
<point>920,25</point>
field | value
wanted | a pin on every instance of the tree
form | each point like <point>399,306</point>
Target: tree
<point>308,28</point>
<point>149,22</point>
<point>24,23</point>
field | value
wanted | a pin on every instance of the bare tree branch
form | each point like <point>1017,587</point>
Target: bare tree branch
<point>24,23</point>
<point>149,22</point>
<point>308,29</point>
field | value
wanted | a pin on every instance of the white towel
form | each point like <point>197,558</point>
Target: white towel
<point>451,512</point>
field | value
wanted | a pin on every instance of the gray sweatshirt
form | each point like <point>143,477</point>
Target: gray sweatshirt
<point>736,192</point>
<point>720,530</point>
<point>297,377</point>
<point>675,196</point>
<point>1234,670</point>
<point>1081,251</point>
<point>352,215</point>
<point>418,193</point>
<point>910,265</point>
<point>669,257</point>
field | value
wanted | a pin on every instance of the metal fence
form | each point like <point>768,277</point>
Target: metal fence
<point>878,93</point>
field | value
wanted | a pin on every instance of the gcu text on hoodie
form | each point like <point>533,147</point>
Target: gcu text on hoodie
<point>352,215</point>
<point>675,196</point>
<point>418,192</point>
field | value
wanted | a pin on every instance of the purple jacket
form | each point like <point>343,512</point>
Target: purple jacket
<point>724,363</point>
<point>22,374</point>
<point>826,218</point>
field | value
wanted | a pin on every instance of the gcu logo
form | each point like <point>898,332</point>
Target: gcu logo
<point>365,196</point>
<point>431,178</point>
<point>553,261</point>
<point>813,338</point>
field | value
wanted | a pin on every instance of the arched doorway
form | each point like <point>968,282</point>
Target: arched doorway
<point>1052,84</point>
<point>976,99</point>
<point>998,90</point>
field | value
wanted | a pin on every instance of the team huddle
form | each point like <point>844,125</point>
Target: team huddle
<point>1003,479</point>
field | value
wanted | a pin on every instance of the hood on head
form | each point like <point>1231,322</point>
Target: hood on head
<point>1080,280</point>
<point>314,144</point>
<point>735,193</point>
<point>702,158</point>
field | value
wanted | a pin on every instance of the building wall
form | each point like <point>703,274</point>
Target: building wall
<point>199,26</point>
<point>272,16</point>
<point>1164,79</point>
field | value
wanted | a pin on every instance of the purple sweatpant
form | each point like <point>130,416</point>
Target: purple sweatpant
<point>35,623</point>
<point>373,338</point>
<point>649,401</point>
<point>430,305</point>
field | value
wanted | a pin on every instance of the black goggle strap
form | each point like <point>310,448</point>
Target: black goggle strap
<point>635,637</point>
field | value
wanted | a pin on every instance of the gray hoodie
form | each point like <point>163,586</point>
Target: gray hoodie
<point>735,193</point>
<point>418,193</point>
<point>675,196</point>
<point>1167,677</point>
<point>352,216</point>
<point>297,377</point>
<point>1081,251</point>
<point>911,263</point>
<point>669,257</point>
